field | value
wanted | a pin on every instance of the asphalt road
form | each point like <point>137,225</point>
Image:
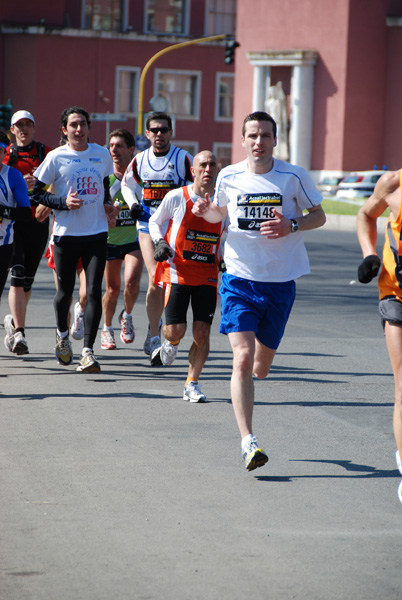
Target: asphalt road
<point>112,487</point>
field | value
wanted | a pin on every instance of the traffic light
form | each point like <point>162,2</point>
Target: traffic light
<point>231,46</point>
<point>6,111</point>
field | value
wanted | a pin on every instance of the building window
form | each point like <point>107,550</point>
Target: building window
<point>224,96</point>
<point>182,89</point>
<point>126,90</point>
<point>166,16</point>
<point>190,147</point>
<point>104,15</point>
<point>221,17</point>
<point>223,153</point>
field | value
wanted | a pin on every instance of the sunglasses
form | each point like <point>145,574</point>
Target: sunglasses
<point>159,129</point>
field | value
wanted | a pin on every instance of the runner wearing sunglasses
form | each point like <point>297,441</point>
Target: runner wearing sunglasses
<point>148,178</point>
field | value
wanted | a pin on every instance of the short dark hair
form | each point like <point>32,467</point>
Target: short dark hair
<point>70,111</point>
<point>159,116</point>
<point>125,134</point>
<point>64,118</point>
<point>4,138</point>
<point>258,115</point>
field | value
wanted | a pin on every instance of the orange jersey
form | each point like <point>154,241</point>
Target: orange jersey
<point>390,279</point>
<point>195,244</point>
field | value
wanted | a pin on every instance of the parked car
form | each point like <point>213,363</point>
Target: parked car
<point>329,185</point>
<point>359,184</point>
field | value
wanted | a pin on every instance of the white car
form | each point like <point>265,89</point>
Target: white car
<point>359,184</point>
<point>329,185</point>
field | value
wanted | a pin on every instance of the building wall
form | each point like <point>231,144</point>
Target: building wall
<point>76,67</point>
<point>392,146</point>
<point>365,85</point>
<point>358,68</point>
<point>285,24</point>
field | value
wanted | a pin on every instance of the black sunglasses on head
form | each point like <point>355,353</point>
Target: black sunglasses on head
<point>159,129</point>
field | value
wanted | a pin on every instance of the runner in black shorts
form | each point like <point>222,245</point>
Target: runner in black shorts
<point>30,238</point>
<point>122,246</point>
<point>118,252</point>
<point>203,303</point>
<point>14,206</point>
<point>187,274</point>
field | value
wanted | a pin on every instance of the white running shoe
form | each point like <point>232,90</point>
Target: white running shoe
<point>168,352</point>
<point>398,461</point>
<point>253,456</point>
<point>147,343</point>
<point>107,340</point>
<point>127,333</point>
<point>8,342</point>
<point>88,363</point>
<point>63,350</point>
<point>192,393</point>
<point>77,329</point>
<point>17,344</point>
<point>155,351</point>
<point>9,325</point>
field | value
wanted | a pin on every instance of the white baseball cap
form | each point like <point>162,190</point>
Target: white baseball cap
<point>21,114</point>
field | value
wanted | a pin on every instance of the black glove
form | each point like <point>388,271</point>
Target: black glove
<point>368,269</point>
<point>162,251</point>
<point>135,211</point>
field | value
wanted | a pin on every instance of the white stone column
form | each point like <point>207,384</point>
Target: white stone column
<point>302,95</point>
<point>261,80</point>
<point>301,115</point>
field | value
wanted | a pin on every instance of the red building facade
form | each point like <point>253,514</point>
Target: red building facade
<point>339,66</point>
<point>91,53</point>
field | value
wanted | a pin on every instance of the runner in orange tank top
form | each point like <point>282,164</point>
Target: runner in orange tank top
<point>387,194</point>
<point>188,255</point>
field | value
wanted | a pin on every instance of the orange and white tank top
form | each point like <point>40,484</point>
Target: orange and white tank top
<point>195,244</point>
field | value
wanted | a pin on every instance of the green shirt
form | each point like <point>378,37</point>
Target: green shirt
<point>125,231</point>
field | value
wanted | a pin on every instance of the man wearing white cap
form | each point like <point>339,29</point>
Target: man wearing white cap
<point>30,238</point>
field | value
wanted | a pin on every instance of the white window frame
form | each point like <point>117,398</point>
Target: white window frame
<point>123,17</point>
<point>218,76</point>
<point>221,30</point>
<point>186,21</point>
<point>118,70</point>
<point>191,143</point>
<point>197,99</point>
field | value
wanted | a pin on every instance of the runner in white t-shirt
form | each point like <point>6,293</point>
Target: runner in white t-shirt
<point>79,175</point>
<point>264,199</point>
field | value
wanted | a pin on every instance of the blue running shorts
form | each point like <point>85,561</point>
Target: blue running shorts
<point>262,307</point>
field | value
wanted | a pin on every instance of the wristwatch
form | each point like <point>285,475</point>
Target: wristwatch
<point>295,225</point>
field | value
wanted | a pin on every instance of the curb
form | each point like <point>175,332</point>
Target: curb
<point>348,223</point>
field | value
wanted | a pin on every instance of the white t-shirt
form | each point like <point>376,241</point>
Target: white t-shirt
<point>69,171</point>
<point>149,177</point>
<point>250,200</point>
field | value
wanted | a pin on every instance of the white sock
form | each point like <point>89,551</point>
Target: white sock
<point>79,310</point>
<point>125,314</point>
<point>106,328</point>
<point>86,350</point>
<point>62,334</point>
